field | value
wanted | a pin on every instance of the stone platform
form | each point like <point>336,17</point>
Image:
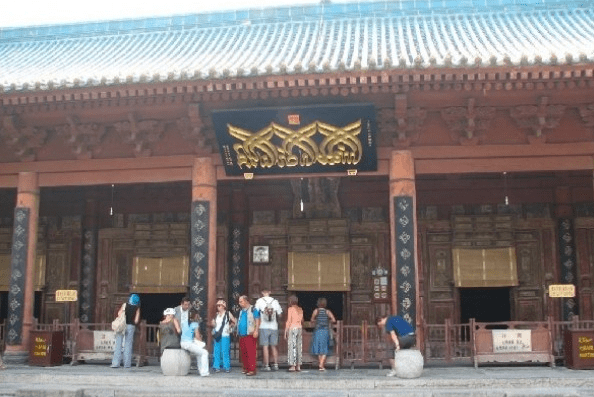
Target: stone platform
<point>98,380</point>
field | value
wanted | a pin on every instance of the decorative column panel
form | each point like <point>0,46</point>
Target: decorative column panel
<point>403,224</point>
<point>567,257</point>
<point>238,247</point>
<point>237,268</point>
<point>568,266</point>
<point>16,294</point>
<point>89,262</point>
<point>24,247</point>
<point>203,239</point>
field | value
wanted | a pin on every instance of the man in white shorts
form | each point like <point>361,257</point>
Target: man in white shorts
<point>270,311</point>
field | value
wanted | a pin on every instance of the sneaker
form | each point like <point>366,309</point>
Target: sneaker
<point>217,370</point>
<point>267,368</point>
<point>227,370</point>
<point>391,373</point>
<point>275,367</point>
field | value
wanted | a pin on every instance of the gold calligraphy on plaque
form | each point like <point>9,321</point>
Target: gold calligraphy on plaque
<point>261,149</point>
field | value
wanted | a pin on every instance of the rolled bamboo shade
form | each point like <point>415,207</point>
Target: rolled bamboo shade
<point>160,275</point>
<point>319,272</point>
<point>493,267</point>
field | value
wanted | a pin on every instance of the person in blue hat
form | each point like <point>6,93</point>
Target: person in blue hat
<point>132,312</point>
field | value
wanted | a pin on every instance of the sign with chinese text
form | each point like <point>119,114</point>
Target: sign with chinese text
<point>104,341</point>
<point>512,340</point>
<point>40,346</point>
<point>585,347</point>
<point>562,290</point>
<point>307,139</point>
<point>66,295</point>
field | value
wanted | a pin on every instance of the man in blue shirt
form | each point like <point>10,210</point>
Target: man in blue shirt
<point>402,334</point>
<point>247,329</point>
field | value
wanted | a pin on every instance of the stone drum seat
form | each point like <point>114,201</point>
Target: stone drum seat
<point>409,363</point>
<point>175,362</point>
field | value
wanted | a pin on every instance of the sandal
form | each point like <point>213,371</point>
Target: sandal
<point>291,370</point>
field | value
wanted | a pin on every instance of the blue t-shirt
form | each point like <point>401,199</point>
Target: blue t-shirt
<point>188,331</point>
<point>399,325</point>
<point>242,325</point>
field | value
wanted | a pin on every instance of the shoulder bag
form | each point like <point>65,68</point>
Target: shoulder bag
<point>119,324</point>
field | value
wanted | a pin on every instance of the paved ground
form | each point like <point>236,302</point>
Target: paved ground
<point>98,380</point>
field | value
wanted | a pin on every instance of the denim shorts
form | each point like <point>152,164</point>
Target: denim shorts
<point>268,337</point>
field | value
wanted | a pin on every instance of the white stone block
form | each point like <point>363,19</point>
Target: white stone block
<point>175,362</point>
<point>409,363</point>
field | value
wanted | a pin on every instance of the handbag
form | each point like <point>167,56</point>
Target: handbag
<point>119,324</point>
<point>218,334</point>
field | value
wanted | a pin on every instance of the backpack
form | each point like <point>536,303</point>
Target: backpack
<point>269,311</point>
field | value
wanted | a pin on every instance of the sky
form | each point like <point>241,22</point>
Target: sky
<point>19,13</point>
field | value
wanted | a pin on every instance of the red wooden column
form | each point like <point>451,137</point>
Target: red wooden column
<point>403,225</point>
<point>24,248</point>
<point>203,237</point>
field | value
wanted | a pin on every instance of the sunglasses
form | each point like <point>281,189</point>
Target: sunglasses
<point>220,305</point>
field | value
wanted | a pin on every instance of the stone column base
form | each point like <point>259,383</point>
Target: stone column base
<point>15,357</point>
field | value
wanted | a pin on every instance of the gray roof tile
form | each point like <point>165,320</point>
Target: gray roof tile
<point>307,39</point>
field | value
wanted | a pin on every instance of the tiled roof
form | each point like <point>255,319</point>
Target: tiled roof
<point>306,39</point>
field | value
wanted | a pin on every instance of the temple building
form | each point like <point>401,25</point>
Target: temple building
<point>427,158</point>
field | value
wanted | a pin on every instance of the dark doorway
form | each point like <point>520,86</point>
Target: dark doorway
<point>309,301</point>
<point>485,304</point>
<point>152,305</point>
<point>3,305</point>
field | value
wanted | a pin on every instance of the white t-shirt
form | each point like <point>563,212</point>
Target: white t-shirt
<point>184,316</point>
<point>265,322</point>
<point>219,320</point>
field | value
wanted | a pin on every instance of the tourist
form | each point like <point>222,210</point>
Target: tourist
<point>270,310</point>
<point>2,365</point>
<point>247,329</point>
<point>169,331</point>
<point>294,335</point>
<point>191,340</point>
<point>321,339</point>
<point>182,311</point>
<point>132,312</point>
<point>402,334</point>
<point>221,332</point>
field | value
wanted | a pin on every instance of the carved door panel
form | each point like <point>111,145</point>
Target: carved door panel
<point>441,300</point>
<point>56,277</point>
<point>114,267</point>
<point>527,298</point>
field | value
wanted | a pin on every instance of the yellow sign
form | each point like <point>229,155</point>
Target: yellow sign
<point>562,290</point>
<point>66,295</point>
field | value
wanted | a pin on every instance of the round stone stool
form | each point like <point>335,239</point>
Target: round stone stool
<point>409,363</point>
<point>175,362</point>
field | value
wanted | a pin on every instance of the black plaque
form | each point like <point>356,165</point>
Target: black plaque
<point>199,261</point>
<point>18,270</point>
<point>405,258</point>
<point>300,139</point>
